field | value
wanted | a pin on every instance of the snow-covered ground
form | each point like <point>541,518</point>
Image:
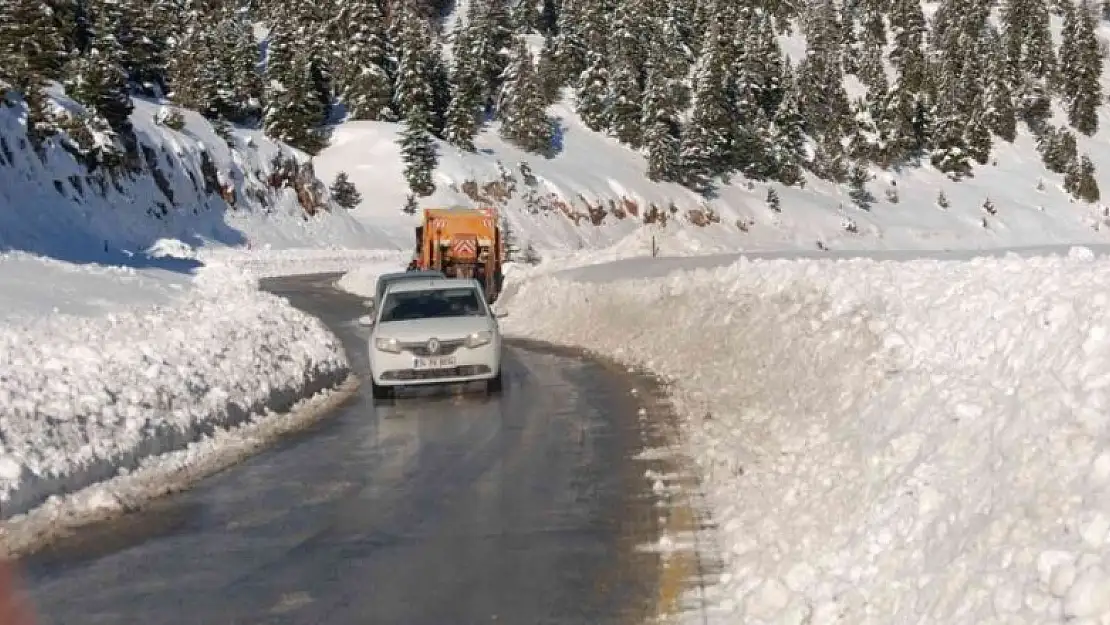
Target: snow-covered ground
<point>137,363</point>
<point>913,441</point>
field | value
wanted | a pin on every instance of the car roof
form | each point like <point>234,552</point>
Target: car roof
<point>423,273</point>
<point>429,284</point>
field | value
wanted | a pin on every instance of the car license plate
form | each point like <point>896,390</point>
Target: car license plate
<point>434,362</point>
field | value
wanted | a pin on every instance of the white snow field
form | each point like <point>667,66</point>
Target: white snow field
<point>920,441</point>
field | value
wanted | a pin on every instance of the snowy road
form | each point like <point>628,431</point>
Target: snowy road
<point>524,508</point>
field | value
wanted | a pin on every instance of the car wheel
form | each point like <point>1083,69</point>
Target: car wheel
<point>381,392</point>
<point>494,384</point>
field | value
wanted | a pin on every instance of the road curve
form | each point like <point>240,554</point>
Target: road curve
<point>446,509</point>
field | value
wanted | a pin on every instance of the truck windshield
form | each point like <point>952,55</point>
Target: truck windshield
<point>432,304</point>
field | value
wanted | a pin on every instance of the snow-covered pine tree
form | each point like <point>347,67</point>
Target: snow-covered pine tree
<point>1080,68</point>
<point>143,28</point>
<point>464,114</point>
<point>418,150</point>
<point>487,38</point>
<point>523,109</point>
<point>592,90</point>
<point>901,120</point>
<point>708,136</point>
<point>344,192</point>
<point>788,140</point>
<point>821,96</point>
<point>361,76</point>
<point>97,79</point>
<point>628,46</point>
<point>567,49</point>
<point>32,46</point>
<point>294,113</point>
<point>1000,115</point>
<point>413,84</point>
<point>1029,49</point>
<point>1080,181</point>
<point>662,130</point>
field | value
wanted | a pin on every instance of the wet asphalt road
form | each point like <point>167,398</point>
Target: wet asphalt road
<point>441,509</point>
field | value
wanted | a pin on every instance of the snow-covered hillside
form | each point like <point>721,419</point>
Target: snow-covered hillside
<point>879,441</point>
<point>190,185</point>
<point>596,172</point>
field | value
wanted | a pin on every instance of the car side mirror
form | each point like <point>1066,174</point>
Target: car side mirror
<point>366,321</point>
<point>500,314</point>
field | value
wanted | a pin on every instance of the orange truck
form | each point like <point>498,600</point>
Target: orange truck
<point>462,243</point>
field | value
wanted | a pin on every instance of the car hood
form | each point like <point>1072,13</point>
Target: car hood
<point>424,329</point>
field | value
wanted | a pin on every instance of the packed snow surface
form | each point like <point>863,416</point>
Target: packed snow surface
<point>83,396</point>
<point>885,442</point>
<point>32,286</point>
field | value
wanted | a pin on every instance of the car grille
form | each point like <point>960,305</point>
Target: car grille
<point>435,374</point>
<point>446,347</point>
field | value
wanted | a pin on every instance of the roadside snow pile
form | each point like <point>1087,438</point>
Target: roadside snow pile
<point>881,442</point>
<point>33,286</point>
<point>83,397</point>
<point>363,280</point>
<point>267,263</point>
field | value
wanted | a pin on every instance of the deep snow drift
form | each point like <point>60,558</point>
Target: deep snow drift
<point>81,397</point>
<point>880,442</point>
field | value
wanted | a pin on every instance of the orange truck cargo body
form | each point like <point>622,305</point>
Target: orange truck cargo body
<point>463,243</point>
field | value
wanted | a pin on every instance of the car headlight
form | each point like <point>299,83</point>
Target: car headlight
<point>478,339</point>
<point>392,346</point>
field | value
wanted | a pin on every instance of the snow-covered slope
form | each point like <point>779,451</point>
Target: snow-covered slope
<point>880,442</point>
<point>192,186</point>
<point>596,171</point>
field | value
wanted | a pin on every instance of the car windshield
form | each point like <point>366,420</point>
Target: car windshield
<point>432,304</point>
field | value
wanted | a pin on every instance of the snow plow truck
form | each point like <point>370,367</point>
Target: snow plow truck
<point>462,243</point>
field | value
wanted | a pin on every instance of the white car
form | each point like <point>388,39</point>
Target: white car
<point>434,331</point>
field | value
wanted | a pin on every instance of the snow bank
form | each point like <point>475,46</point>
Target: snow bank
<point>363,281</point>
<point>266,263</point>
<point>33,286</point>
<point>81,398</point>
<point>880,442</point>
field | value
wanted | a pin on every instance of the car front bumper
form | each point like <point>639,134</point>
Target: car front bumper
<point>468,365</point>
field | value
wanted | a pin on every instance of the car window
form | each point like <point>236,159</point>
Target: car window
<point>433,304</point>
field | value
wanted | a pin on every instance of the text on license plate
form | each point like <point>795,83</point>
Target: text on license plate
<point>434,362</point>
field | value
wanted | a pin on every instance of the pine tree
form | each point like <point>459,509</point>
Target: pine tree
<point>1000,116</point>
<point>822,100</point>
<point>625,104</point>
<point>788,141</point>
<point>98,80</point>
<point>413,85</point>
<point>662,131</point>
<point>362,79</point>
<point>31,44</point>
<point>294,113</point>
<point>1080,180</point>
<point>1080,68</point>
<point>418,151</point>
<point>488,33</point>
<point>901,119</point>
<point>344,192</point>
<point>524,119</point>
<point>1029,51</point>
<point>464,114</point>
<point>592,100</point>
<point>707,142</point>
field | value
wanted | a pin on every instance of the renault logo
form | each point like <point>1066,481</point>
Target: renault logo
<point>433,346</point>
